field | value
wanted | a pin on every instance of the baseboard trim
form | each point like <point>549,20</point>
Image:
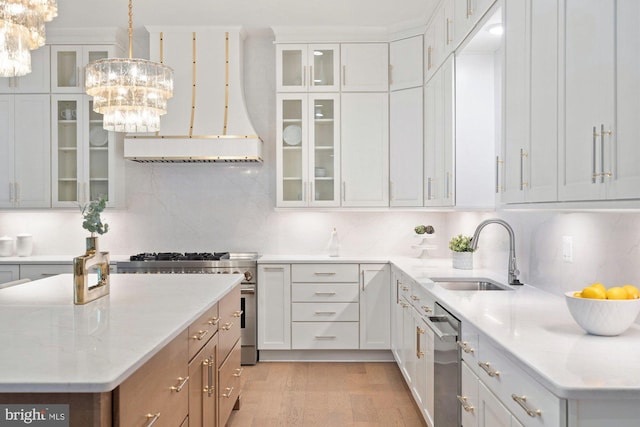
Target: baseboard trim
<point>325,356</point>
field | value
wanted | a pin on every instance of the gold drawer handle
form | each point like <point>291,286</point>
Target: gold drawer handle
<point>238,372</point>
<point>465,347</point>
<point>200,335</point>
<point>213,321</point>
<point>405,288</point>
<point>228,393</point>
<point>237,313</point>
<point>226,326</point>
<point>486,366</point>
<point>152,418</point>
<point>179,387</point>
<point>415,298</point>
<point>427,309</point>
<point>522,401</point>
<point>465,405</point>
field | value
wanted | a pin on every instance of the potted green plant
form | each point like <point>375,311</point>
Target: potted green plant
<point>462,257</point>
<point>92,221</point>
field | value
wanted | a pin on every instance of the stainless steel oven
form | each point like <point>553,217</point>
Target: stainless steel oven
<point>210,263</point>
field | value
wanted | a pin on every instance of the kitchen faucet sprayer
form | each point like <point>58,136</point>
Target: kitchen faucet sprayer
<point>513,269</point>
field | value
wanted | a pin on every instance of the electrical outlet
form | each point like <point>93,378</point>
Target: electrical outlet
<point>567,248</point>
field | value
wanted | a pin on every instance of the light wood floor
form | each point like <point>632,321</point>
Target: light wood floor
<point>326,395</point>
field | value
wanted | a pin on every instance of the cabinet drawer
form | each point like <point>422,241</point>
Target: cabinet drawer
<point>324,335</point>
<point>420,299</point>
<point>325,312</point>
<point>229,326</point>
<point>468,343</point>
<point>202,330</point>
<point>203,390</point>
<point>510,384</point>
<point>155,388</point>
<point>229,384</point>
<point>325,292</point>
<point>324,273</point>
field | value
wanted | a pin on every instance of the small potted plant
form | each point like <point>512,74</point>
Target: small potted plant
<point>92,221</point>
<point>462,257</point>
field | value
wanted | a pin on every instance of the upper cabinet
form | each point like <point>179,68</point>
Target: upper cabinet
<point>37,81</point>
<point>600,156</point>
<point>365,67</point>
<point>467,15</point>
<point>308,67</point>
<point>68,62</point>
<point>438,39</point>
<point>405,63</point>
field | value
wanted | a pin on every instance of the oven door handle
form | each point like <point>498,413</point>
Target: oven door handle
<point>250,291</point>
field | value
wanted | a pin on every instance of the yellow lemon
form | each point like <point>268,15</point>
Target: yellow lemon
<point>593,292</point>
<point>599,286</point>
<point>632,292</point>
<point>616,292</point>
<point>577,294</point>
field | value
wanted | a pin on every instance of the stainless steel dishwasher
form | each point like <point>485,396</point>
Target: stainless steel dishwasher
<point>446,369</point>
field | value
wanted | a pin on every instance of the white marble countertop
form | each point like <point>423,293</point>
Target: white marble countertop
<point>48,344</point>
<point>534,328</point>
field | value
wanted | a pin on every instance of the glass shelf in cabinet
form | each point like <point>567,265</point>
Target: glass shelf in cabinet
<point>292,147</point>
<point>291,120</point>
<point>323,178</point>
<point>292,178</point>
<point>67,148</point>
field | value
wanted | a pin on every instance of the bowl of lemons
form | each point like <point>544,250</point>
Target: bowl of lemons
<point>602,311</point>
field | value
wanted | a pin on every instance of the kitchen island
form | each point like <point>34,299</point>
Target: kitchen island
<point>54,350</point>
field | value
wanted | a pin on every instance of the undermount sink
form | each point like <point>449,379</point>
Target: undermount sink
<point>454,284</point>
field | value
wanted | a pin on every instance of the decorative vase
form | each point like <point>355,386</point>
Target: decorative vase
<point>463,260</point>
<point>90,274</point>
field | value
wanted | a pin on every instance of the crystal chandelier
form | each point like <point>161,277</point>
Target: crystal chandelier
<point>22,30</point>
<point>130,93</point>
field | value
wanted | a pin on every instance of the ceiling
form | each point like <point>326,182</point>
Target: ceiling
<point>253,15</point>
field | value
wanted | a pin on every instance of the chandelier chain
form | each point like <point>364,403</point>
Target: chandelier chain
<point>130,29</point>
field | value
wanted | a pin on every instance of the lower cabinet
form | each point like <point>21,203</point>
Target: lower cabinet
<point>229,373</point>
<point>203,396</point>
<point>9,273</point>
<point>492,413</point>
<point>274,301</point>
<point>375,307</point>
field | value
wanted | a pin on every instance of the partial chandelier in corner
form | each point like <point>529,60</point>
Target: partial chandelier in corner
<point>131,93</point>
<point>21,31</point>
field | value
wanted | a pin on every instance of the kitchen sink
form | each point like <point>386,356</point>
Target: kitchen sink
<point>454,284</point>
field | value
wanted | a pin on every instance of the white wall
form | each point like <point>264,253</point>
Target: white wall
<point>206,207</point>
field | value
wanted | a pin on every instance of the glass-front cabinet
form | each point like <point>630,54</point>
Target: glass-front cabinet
<point>308,138</point>
<point>68,62</point>
<point>308,68</point>
<point>82,153</point>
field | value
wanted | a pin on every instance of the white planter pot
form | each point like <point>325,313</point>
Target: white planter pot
<point>463,260</point>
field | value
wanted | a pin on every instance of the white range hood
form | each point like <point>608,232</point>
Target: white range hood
<point>207,118</point>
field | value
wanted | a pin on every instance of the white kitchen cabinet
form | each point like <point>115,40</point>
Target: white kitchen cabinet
<point>37,81</point>
<point>42,271</point>
<point>365,149</point>
<point>68,62</point>
<point>83,153</point>
<point>9,273</point>
<point>405,63</point>
<point>424,385</point>
<point>274,307</point>
<point>375,307</point>
<point>365,67</point>
<point>468,399</point>
<point>491,412</point>
<point>438,137</point>
<point>531,101</point>
<point>308,147</point>
<point>308,67</point>
<point>439,42</point>
<point>24,151</point>
<point>467,15</point>
<point>406,147</point>
<point>396,315</point>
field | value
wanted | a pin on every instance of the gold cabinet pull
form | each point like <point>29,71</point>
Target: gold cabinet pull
<point>179,387</point>
<point>237,313</point>
<point>213,321</point>
<point>415,298</point>
<point>228,393</point>
<point>486,366</point>
<point>238,372</point>
<point>465,405</point>
<point>522,401</point>
<point>152,418</point>
<point>209,363</point>
<point>427,309</point>
<point>226,326</point>
<point>465,347</point>
<point>404,304</point>
<point>200,335</point>
<point>419,331</point>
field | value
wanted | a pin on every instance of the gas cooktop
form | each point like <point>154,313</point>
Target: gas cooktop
<point>179,256</point>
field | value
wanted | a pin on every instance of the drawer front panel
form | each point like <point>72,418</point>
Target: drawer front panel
<point>229,326</point>
<point>527,399</point>
<point>325,335</point>
<point>153,388</point>
<point>421,300</point>
<point>325,292</point>
<point>203,390</point>
<point>311,273</point>
<point>202,330</point>
<point>229,384</point>
<point>468,343</point>
<point>325,312</point>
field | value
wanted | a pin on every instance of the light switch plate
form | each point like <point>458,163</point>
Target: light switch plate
<point>567,248</point>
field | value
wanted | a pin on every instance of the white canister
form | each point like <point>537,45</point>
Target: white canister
<point>24,244</point>
<point>6,246</point>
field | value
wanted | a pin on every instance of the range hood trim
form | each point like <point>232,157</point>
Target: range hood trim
<point>197,149</point>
